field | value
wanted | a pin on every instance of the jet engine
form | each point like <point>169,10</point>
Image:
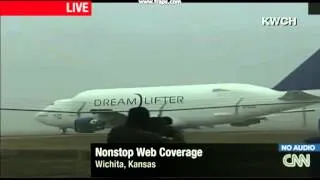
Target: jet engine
<point>162,120</point>
<point>88,125</point>
<point>247,122</point>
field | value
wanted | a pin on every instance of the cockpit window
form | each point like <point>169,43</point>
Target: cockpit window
<point>219,90</point>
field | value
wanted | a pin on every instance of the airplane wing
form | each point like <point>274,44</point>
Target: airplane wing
<point>301,110</point>
<point>297,111</point>
<point>300,96</point>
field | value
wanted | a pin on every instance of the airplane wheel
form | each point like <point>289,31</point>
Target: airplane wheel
<point>63,131</point>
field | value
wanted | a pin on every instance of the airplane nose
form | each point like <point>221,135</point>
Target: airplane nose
<point>41,116</point>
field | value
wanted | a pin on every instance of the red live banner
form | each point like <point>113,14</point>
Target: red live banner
<point>45,8</point>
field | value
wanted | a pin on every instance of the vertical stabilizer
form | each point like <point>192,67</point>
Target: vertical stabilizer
<point>304,77</point>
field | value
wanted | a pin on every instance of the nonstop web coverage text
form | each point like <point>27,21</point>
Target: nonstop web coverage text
<point>107,157</point>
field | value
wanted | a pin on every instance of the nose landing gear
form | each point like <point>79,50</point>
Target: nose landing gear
<point>63,131</point>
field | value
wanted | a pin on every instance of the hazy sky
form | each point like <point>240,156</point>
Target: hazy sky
<point>129,45</point>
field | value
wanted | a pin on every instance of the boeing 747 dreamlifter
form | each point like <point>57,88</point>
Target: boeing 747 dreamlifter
<point>188,106</point>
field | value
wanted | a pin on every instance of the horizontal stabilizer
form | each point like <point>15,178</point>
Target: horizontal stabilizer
<point>298,95</point>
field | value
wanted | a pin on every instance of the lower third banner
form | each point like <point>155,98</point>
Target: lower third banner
<point>197,160</point>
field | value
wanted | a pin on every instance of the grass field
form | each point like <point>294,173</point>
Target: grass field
<point>68,156</point>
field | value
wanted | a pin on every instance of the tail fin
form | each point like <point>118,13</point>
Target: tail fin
<point>304,77</point>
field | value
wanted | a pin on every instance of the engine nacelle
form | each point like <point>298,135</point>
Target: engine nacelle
<point>162,120</point>
<point>88,125</point>
<point>246,123</point>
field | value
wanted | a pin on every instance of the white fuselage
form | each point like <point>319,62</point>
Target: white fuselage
<point>57,119</point>
<point>188,105</point>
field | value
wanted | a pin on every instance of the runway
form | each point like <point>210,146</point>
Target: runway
<point>83,141</point>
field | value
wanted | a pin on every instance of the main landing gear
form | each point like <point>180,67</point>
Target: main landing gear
<point>63,131</point>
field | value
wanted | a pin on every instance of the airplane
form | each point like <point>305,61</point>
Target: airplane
<point>188,106</point>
